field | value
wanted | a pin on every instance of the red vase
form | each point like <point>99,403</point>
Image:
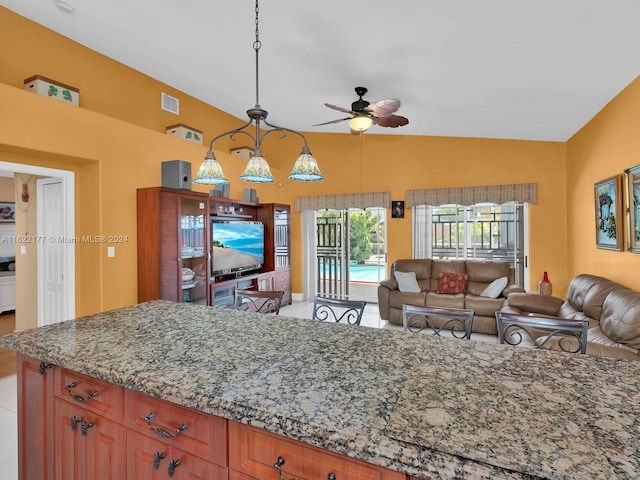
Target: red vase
<point>545,287</point>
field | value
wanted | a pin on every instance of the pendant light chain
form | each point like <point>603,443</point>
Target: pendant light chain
<point>256,46</point>
<point>257,170</point>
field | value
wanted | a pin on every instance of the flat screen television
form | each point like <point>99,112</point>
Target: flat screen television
<point>236,247</point>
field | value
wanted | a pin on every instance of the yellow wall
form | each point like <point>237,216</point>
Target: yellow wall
<point>606,146</point>
<point>116,141</point>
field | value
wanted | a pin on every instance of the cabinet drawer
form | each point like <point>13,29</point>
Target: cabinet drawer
<point>92,394</point>
<point>151,459</point>
<point>253,452</point>
<point>205,435</point>
<point>283,279</point>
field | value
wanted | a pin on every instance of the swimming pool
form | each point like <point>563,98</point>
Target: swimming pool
<point>367,273</point>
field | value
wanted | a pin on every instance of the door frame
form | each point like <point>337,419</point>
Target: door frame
<point>68,197</point>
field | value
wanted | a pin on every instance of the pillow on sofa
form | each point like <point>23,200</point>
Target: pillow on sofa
<point>494,289</point>
<point>407,282</point>
<point>451,283</point>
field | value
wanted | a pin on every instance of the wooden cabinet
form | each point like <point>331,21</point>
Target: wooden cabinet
<point>96,430</point>
<point>89,435</point>
<point>7,292</point>
<point>87,445</point>
<point>200,434</point>
<point>93,395</point>
<point>173,245</point>
<point>150,459</point>
<point>277,220</point>
<point>255,452</point>
<point>35,419</point>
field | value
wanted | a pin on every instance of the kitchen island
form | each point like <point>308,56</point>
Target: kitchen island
<point>412,403</point>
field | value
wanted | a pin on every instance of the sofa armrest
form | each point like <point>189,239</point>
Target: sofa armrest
<point>534,303</point>
<point>509,289</point>
<point>390,283</point>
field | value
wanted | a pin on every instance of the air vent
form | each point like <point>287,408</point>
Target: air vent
<point>170,104</point>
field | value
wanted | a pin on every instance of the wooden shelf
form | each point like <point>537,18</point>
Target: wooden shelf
<point>162,237</point>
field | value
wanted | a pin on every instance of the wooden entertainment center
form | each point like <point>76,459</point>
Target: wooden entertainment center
<point>174,247</point>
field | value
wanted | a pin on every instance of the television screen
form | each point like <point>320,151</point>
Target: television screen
<point>236,246</point>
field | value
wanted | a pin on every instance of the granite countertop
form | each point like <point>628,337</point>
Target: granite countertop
<point>431,407</point>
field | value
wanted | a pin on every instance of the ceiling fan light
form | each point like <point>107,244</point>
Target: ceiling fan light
<point>257,170</point>
<point>210,172</point>
<point>306,168</point>
<point>360,123</point>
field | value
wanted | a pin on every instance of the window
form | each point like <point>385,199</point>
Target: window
<point>481,231</point>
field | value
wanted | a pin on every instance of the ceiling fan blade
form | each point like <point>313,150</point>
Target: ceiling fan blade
<point>383,108</point>
<point>332,121</point>
<point>340,109</point>
<point>392,121</point>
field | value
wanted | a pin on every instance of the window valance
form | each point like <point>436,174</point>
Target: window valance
<point>519,192</point>
<point>342,201</point>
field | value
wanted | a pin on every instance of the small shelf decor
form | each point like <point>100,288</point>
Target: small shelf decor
<point>186,133</point>
<point>53,89</point>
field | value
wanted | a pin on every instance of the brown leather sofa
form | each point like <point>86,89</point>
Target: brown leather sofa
<point>427,271</point>
<point>613,312</point>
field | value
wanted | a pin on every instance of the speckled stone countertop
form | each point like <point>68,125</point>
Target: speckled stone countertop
<point>431,407</point>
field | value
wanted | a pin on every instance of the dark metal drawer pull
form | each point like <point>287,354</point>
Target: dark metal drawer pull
<point>79,398</point>
<point>172,466</point>
<point>157,456</point>
<point>74,422</point>
<point>84,426</point>
<point>278,467</point>
<point>43,367</point>
<point>161,432</point>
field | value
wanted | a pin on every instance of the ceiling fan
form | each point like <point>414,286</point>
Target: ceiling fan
<point>364,114</point>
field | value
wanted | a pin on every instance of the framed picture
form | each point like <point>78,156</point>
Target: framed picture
<point>397,209</point>
<point>7,212</point>
<point>608,203</point>
<point>633,208</point>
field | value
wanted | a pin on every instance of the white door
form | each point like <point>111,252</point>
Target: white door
<point>52,252</point>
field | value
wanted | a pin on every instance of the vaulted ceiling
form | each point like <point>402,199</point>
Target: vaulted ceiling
<point>515,69</point>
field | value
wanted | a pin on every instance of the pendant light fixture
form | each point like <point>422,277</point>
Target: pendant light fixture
<point>257,170</point>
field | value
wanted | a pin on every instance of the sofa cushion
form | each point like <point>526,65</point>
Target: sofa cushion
<point>620,318</point>
<point>397,298</point>
<point>452,283</point>
<point>586,293</point>
<point>421,267</point>
<point>439,266</point>
<point>483,272</point>
<point>483,305</point>
<point>494,289</point>
<point>407,282</point>
<point>445,300</point>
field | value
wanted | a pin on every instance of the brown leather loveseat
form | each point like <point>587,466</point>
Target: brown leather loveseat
<point>613,312</point>
<point>429,274</point>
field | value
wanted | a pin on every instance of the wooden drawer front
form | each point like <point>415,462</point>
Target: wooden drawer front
<point>283,282</point>
<point>283,279</point>
<point>254,452</point>
<point>233,475</point>
<point>149,459</point>
<point>90,393</point>
<point>204,436</point>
